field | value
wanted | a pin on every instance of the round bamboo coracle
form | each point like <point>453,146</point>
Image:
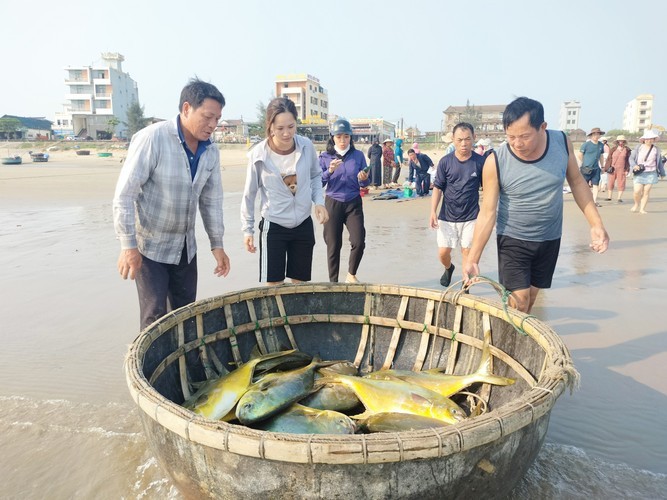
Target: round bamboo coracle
<point>375,326</point>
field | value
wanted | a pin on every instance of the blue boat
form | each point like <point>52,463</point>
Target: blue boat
<point>12,160</point>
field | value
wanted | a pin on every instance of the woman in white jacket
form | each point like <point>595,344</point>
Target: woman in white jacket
<point>285,171</point>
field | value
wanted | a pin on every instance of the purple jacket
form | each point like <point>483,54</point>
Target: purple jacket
<point>343,185</point>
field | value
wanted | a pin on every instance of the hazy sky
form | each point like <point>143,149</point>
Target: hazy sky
<point>387,59</point>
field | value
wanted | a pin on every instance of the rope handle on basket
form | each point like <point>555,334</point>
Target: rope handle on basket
<point>502,291</point>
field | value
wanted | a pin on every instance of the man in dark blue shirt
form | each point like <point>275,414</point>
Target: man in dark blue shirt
<point>419,165</point>
<point>458,176</point>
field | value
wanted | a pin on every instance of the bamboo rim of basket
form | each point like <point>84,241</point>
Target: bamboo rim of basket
<point>557,373</point>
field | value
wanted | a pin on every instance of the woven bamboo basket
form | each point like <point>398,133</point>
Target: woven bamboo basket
<point>375,326</point>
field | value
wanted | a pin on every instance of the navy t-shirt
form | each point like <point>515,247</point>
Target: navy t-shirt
<point>459,181</point>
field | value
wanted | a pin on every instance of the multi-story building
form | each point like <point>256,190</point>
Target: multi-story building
<point>570,111</point>
<point>98,99</point>
<point>638,114</point>
<point>367,129</point>
<point>311,99</point>
<point>487,119</point>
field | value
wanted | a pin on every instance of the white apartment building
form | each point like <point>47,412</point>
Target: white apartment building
<point>310,98</point>
<point>638,114</point>
<point>570,112</point>
<point>96,94</point>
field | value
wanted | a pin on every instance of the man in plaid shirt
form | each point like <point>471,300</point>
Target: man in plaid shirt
<point>172,167</point>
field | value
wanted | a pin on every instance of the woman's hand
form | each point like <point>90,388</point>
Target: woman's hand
<point>335,163</point>
<point>249,243</point>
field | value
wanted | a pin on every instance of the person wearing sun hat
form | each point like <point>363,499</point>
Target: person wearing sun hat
<point>646,164</point>
<point>617,167</point>
<point>388,161</point>
<point>590,158</point>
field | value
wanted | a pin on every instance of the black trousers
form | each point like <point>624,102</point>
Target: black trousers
<point>165,287</point>
<point>351,215</point>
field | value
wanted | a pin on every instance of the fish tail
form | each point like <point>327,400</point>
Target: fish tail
<point>485,362</point>
<point>495,380</point>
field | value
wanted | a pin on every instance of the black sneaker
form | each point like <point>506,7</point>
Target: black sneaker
<point>446,277</point>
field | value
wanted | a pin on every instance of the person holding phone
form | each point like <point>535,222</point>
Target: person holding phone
<point>344,171</point>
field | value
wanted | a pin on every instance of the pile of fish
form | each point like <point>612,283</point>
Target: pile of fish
<point>293,392</point>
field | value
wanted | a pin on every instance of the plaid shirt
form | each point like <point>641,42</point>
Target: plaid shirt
<point>155,204</point>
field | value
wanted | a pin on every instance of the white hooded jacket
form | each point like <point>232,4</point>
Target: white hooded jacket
<point>277,203</point>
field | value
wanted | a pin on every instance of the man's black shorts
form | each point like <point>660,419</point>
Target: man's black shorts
<point>522,264</point>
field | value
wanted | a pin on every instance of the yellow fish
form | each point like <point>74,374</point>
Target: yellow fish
<point>398,396</point>
<point>398,422</point>
<point>217,397</point>
<point>448,385</point>
<point>298,419</point>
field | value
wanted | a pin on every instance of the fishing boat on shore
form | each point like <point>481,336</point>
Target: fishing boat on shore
<point>83,152</point>
<point>376,327</point>
<point>39,157</point>
<point>12,160</point>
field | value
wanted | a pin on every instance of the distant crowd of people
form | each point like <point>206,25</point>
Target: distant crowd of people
<point>172,170</point>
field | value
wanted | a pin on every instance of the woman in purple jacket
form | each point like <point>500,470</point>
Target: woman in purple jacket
<point>344,171</point>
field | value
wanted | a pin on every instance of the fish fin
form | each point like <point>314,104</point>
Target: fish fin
<point>419,399</point>
<point>255,353</point>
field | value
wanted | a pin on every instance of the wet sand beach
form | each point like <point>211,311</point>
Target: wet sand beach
<point>68,428</point>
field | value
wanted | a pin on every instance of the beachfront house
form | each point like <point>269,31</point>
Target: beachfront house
<point>97,100</point>
<point>26,128</point>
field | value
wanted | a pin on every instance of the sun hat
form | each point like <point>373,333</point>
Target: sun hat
<point>620,138</point>
<point>387,140</point>
<point>486,142</point>
<point>596,130</point>
<point>649,134</point>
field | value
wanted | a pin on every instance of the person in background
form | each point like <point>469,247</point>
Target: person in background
<point>448,140</point>
<point>171,169</point>
<point>591,161</point>
<point>458,176</point>
<point>375,162</point>
<point>415,147</point>
<point>648,156</point>
<point>523,198</point>
<point>398,159</point>
<point>388,162</point>
<point>484,147</point>
<point>420,164</point>
<point>603,172</point>
<point>343,173</point>
<point>617,167</point>
<point>284,170</point>
<point>479,148</point>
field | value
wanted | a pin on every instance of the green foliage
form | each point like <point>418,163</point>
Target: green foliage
<point>135,119</point>
<point>471,115</point>
<point>10,125</point>
<point>112,123</point>
<point>261,119</point>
